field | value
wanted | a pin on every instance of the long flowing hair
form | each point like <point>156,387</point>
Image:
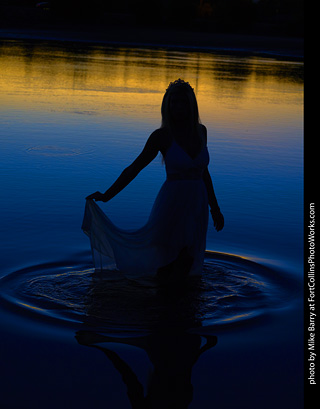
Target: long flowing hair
<point>193,118</point>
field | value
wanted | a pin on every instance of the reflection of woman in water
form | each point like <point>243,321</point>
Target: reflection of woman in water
<point>172,242</point>
<point>166,325</point>
<point>172,354</point>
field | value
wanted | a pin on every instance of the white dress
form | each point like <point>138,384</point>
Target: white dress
<point>178,220</point>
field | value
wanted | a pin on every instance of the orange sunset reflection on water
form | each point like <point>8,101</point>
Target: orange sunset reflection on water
<point>131,82</point>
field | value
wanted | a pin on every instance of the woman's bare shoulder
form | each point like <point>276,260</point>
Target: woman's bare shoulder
<point>203,127</point>
<point>203,132</point>
<point>160,138</point>
<point>160,133</point>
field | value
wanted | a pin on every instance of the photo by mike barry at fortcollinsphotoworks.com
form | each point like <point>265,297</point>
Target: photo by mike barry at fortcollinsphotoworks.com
<point>310,298</point>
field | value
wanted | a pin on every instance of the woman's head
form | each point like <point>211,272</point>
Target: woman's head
<point>179,105</point>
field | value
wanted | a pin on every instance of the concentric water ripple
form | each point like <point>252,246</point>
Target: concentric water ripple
<point>231,290</point>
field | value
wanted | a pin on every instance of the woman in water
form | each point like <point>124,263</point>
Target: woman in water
<point>172,242</point>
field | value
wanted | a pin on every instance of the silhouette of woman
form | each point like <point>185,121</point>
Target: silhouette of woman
<point>172,242</point>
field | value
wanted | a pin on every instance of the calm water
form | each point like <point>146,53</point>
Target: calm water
<point>72,117</point>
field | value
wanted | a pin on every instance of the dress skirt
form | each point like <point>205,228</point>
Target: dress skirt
<point>178,220</point>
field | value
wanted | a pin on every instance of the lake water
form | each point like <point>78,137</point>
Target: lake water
<point>72,118</point>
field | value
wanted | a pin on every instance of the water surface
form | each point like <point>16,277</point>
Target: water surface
<point>72,117</point>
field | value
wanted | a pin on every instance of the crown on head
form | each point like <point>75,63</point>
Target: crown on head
<point>179,83</point>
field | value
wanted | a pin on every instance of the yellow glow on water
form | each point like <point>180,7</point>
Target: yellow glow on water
<point>125,82</point>
<point>210,252</point>
<point>31,307</point>
<point>237,317</point>
<point>262,261</point>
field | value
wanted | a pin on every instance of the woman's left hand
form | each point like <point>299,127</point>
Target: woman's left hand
<point>97,196</point>
<point>218,220</point>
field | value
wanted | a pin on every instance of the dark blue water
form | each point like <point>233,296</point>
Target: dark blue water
<point>231,290</point>
<point>72,118</point>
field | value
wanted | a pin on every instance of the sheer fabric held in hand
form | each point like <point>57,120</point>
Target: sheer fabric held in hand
<point>178,220</point>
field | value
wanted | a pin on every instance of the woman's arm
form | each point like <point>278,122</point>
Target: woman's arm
<point>147,155</point>
<point>213,203</point>
<point>216,214</point>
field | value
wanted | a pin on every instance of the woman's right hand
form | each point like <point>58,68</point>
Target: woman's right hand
<point>97,196</point>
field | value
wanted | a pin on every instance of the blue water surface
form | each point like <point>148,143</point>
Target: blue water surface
<point>72,117</point>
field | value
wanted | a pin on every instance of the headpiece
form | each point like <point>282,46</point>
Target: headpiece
<point>179,83</point>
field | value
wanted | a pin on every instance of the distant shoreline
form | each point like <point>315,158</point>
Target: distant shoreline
<point>277,47</point>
